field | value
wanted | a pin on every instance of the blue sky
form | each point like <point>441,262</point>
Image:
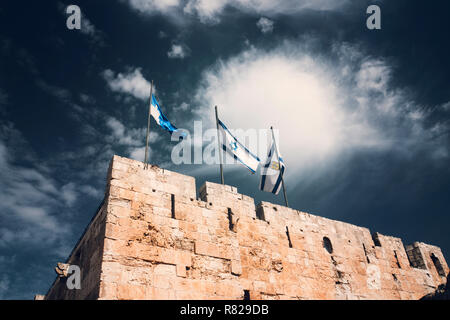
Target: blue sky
<point>363,115</point>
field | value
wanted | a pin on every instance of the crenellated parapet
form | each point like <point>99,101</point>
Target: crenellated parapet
<point>153,239</point>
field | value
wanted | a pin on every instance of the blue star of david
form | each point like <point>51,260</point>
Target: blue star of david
<point>233,146</point>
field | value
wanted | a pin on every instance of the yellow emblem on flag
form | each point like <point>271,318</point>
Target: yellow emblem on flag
<point>275,165</point>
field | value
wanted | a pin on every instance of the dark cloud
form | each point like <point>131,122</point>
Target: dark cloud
<point>69,100</point>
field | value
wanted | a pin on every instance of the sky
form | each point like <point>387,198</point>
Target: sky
<point>362,115</point>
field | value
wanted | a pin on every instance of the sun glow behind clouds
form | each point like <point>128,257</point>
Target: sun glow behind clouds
<point>294,93</point>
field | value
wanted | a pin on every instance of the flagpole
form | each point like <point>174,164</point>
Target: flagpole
<point>220,148</point>
<point>148,127</point>
<point>279,166</point>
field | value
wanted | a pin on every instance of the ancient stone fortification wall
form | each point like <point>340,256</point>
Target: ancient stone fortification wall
<point>160,242</point>
<point>88,255</point>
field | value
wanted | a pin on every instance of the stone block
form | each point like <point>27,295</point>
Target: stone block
<point>181,270</point>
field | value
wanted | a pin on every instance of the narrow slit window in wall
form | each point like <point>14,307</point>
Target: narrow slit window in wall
<point>396,258</point>
<point>376,240</point>
<point>327,245</point>
<point>172,199</point>
<point>365,253</point>
<point>437,265</point>
<point>289,237</point>
<point>230,220</point>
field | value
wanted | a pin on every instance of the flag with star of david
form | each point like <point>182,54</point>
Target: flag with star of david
<point>236,149</point>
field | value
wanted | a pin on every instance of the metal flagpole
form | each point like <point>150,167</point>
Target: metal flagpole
<point>148,127</point>
<point>220,148</point>
<point>279,167</point>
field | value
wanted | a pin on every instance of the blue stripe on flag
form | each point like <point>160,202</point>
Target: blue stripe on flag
<point>277,185</point>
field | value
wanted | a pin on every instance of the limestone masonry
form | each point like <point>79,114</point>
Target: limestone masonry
<point>152,239</point>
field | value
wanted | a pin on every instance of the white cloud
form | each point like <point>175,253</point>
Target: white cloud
<point>178,51</point>
<point>325,107</point>
<point>91,191</point>
<point>154,6</point>
<point>209,11</point>
<point>4,286</point>
<point>69,194</point>
<point>86,98</point>
<point>446,106</point>
<point>138,154</point>
<point>38,216</point>
<point>130,137</point>
<point>373,75</point>
<point>87,27</point>
<point>284,6</point>
<point>3,155</point>
<point>162,34</point>
<point>182,107</point>
<point>60,93</point>
<point>265,25</point>
<point>117,128</point>
<point>132,83</point>
<point>30,199</point>
<point>258,90</point>
<point>28,195</point>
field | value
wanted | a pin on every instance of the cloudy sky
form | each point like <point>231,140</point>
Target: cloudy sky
<point>363,115</point>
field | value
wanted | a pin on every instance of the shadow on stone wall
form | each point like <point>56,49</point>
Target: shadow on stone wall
<point>441,293</point>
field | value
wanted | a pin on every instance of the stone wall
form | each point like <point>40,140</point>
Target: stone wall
<point>88,255</point>
<point>160,242</point>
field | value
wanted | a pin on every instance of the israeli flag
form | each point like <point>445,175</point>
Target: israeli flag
<point>159,117</point>
<point>238,151</point>
<point>271,171</point>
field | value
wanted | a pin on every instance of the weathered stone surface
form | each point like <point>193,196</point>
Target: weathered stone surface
<point>152,239</point>
<point>88,255</point>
